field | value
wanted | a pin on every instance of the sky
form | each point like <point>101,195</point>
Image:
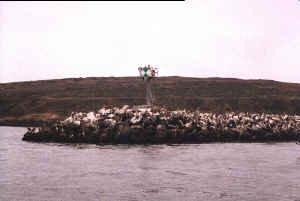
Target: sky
<point>246,39</point>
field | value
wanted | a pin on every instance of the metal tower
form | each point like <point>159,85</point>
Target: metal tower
<point>148,73</point>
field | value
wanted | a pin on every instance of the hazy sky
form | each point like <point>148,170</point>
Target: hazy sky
<point>248,39</point>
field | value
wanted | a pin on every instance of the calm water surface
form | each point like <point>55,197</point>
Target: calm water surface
<point>232,171</point>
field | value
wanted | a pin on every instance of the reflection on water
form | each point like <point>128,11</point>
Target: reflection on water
<point>230,171</point>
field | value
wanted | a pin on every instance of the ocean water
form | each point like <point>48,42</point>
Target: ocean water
<point>218,171</point>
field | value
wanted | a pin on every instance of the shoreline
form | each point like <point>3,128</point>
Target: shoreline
<point>172,143</point>
<point>156,125</point>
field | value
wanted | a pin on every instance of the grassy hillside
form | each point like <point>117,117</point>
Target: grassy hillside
<point>50,99</point>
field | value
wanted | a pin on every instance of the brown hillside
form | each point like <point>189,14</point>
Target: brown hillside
<point>48,99</point>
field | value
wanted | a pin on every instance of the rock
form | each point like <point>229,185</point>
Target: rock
<point>159,127</point>
<point>136,126</point>
<point>76,122</point>
<point>145,124</point>
<point>189,124</point>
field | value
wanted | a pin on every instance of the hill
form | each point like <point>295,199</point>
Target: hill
<point>55,99</point>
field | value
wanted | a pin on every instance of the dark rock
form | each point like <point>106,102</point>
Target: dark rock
<point>139,125</point>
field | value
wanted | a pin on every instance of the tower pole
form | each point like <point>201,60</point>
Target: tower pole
<point>149,97</point>
<point>147,73</point>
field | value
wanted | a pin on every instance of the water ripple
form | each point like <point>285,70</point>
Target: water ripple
<point>216,171</point>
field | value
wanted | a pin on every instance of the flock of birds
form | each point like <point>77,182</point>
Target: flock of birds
<point>204,120</point>
<point>194,123</point>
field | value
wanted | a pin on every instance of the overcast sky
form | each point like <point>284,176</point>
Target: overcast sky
<point>248,39</point>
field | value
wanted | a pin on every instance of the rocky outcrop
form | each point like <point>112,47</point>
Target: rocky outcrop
<point>146,124</point>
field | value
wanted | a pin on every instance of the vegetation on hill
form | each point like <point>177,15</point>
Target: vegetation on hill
<point>56,99</point>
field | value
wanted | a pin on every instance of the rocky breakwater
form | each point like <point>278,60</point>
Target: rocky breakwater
<point>145,124</point>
